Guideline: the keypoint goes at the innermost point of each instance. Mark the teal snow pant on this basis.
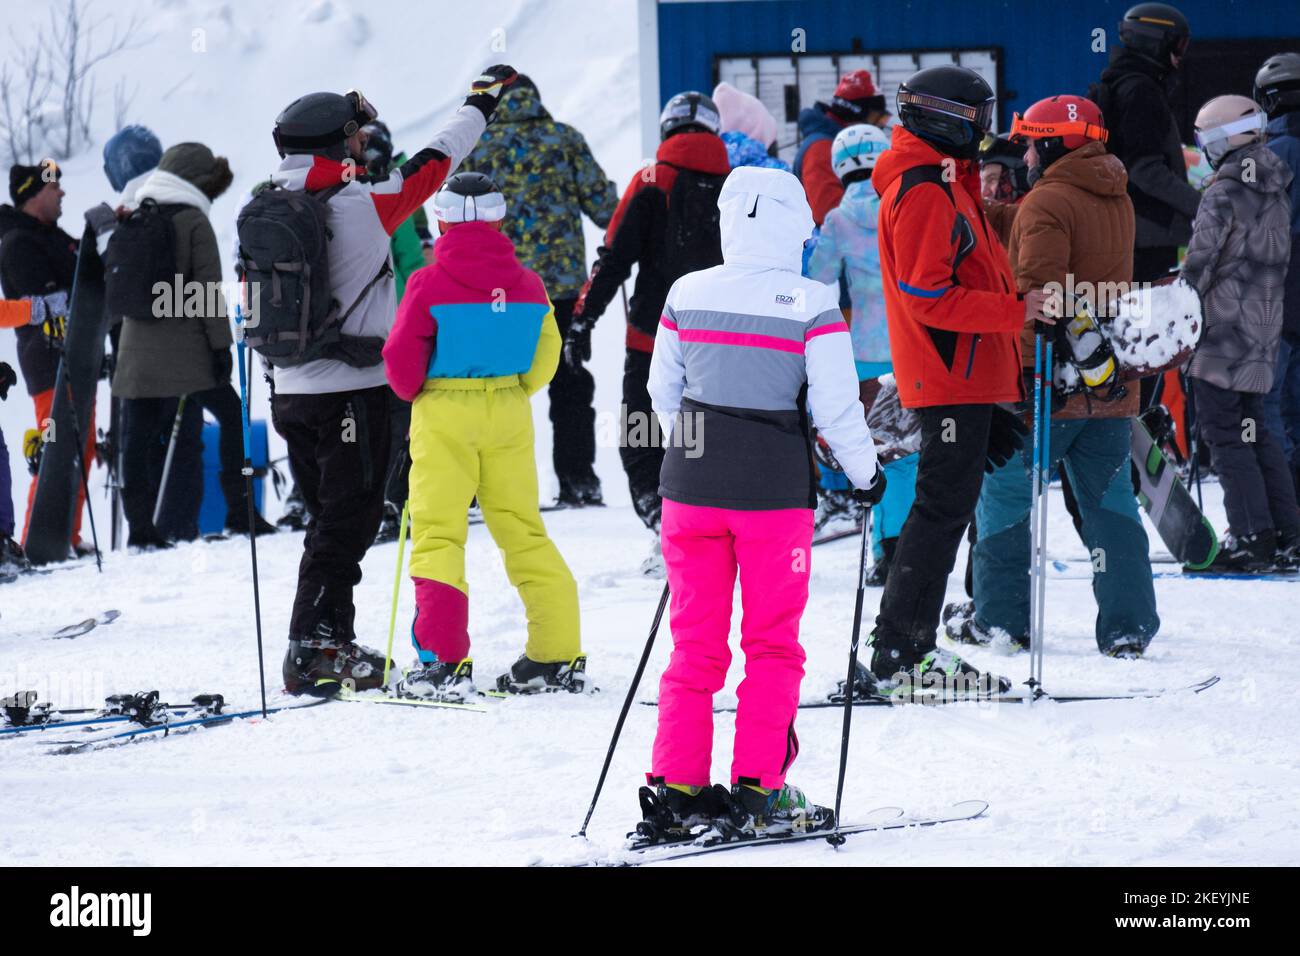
(1095, 455)
(900, 491)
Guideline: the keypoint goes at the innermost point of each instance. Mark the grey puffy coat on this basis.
(1237, 260)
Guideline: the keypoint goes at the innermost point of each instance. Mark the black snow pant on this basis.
(147, 431)
(397, 476)
(338, 449)
(573, 419)
(223, 403)
(949, 475)
(642, 455)
(1258, 493)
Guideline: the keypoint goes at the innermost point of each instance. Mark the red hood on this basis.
(906, 151)
(477, 255)
(702, 152)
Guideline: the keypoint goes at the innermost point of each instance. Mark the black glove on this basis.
(102, 218)
(1006, 437)
(222, 365)
(870, 496)
(485, 92)
(7, 379)
(577, 344)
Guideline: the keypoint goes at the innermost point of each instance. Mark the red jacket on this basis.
(823, 187)
(953, 332)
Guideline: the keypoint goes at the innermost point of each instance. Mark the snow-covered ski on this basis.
(86, 626)
(174, 724)
(23, 714)
(1068, 572)
(887, 818)
(1011, 698)
(393, 700)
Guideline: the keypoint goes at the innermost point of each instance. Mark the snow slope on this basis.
(1208, 779)
(414, 61)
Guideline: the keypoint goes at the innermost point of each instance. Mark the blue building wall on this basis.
(1046, 44)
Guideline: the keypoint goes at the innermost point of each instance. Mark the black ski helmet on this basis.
(1154, 31)
(1003, 152)
(950, 107)
(1277, 84)
(689, 111)
(320, 123)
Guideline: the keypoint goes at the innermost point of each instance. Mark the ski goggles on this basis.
(1214, 141)
(362, 112)
(980, 115)
(1022, 129)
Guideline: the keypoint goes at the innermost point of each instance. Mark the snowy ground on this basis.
(1204, 780)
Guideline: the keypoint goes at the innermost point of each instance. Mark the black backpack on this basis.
(141, 253)
(293, 316)
(693, 240)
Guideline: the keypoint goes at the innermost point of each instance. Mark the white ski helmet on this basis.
(469, 197)
(856, 149)
(1226, 123)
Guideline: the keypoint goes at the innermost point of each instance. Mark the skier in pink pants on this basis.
(746, 353)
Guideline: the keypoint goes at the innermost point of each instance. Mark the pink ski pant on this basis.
(703, 550)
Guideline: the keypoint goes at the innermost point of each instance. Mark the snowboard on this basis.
(49, 534)
(1186, 532)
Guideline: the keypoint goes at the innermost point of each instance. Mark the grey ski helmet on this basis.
(320, 123)
(469, 197)
(688, 111)
(1277, 84)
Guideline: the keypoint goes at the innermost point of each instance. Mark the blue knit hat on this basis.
(130, 152)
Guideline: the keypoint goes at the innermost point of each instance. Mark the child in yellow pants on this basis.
(474, 338)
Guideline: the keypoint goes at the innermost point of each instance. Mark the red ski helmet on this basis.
(1074, 120)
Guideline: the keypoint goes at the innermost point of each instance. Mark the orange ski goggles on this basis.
(1023, 129)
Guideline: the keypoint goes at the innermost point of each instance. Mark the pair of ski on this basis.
(148, 715)
(711, 840)
(936, 698)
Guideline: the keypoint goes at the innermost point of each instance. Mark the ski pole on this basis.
(245, 387)
(1046, 464)
(1034, 505)
(627, 705)
(836, 839)
(397, 586)
(167, 462)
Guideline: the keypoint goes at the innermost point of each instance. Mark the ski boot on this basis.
(1247, 555)
(440, 680)
(529, 677)
(12, 557)
(295, 515)
(759, 812)
(321, 666)
(1125, 648)
(675, 813)
(962, 626)
(1287, 556)
(584, 493)
(901, 677)
(653, 565)
(147, 539)
(390, 526)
